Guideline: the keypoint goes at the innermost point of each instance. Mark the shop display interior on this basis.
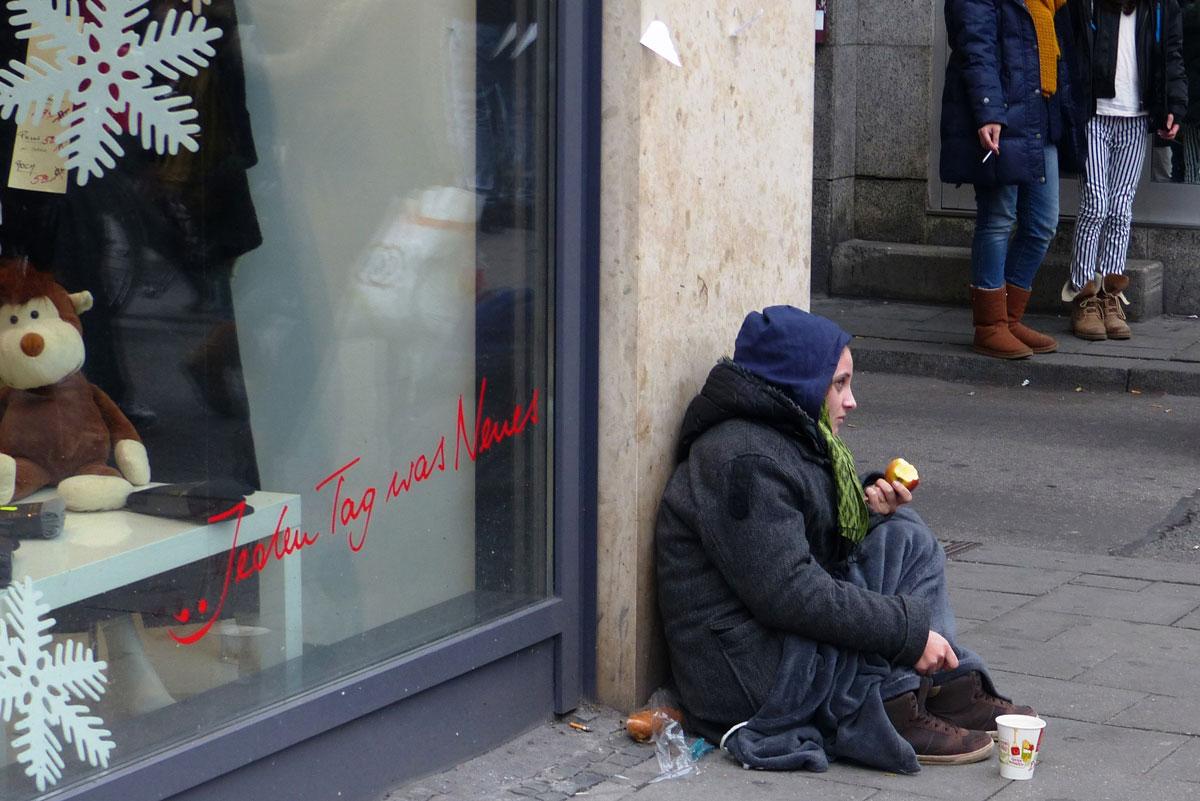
(257, 333)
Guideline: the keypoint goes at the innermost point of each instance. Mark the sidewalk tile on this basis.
(1159, 603)
(1111, 582)
(1077, 784)
(1149, 672)
(984, 604)
(1189, 354)
(1163, 713)
(1067, 699)
(720, 778)
(610, 792)
(1147, 569)
(867, 309)
(1047, 659)
(974, 782)
(1031, 624)
(1101, 752)
(1004, 578)
(1129, 637)
(1182, 765)
(1189, 621)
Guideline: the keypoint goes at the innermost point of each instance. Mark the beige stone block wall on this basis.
(705, 214)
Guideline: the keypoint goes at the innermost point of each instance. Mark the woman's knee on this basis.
(905, 524)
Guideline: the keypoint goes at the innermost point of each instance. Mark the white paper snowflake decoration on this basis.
(39, 686)
(106, 71)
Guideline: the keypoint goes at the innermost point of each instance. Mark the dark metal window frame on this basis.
(567, 619)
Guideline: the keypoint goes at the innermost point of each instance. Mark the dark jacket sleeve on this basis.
(973, 28)
(1176, 71)
(754, 531)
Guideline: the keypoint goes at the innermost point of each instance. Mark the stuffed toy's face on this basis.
(37, 346)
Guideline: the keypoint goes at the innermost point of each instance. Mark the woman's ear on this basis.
(82, 301)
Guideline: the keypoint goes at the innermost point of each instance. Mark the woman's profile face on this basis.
(839, 399)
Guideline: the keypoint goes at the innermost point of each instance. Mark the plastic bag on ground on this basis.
(675, 757)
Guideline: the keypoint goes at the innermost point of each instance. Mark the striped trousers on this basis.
(1116, 148)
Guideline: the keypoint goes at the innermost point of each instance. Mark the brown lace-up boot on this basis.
(1087, 313)
(936, 741)
(1114, 315)
(1036, 341)
(992, 337)
(965, 702)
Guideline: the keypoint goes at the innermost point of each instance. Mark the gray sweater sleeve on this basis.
(754, 531)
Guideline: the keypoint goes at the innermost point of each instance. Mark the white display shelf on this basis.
(102, 551)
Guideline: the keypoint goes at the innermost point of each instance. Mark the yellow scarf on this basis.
(1042, 12)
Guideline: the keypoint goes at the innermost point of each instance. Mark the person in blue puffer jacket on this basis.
(1007, 121)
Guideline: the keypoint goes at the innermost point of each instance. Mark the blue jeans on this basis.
(1033, 210)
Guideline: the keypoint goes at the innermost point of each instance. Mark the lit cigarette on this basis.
(988, 156)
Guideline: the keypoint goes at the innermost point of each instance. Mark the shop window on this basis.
(318, 243)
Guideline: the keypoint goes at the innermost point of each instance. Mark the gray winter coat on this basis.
(748, 550)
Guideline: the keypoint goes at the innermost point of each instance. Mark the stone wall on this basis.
(705, 215)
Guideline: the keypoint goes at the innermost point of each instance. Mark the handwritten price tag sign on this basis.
(37, 164)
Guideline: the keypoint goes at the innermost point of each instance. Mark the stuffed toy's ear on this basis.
(82, 301)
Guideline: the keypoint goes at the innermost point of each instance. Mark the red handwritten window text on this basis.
(351, 509)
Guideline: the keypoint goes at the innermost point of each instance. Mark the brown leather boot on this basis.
(992, 337)
(1114, 315)
(965, 702)
(1087, 313)
(936, 741)
(1017, 299)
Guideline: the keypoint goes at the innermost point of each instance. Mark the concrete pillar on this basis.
(706, 214)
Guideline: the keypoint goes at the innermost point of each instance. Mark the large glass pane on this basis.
(326, 292)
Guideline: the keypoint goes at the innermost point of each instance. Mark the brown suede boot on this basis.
(965, 702)
(1087, 313)
(1114, 315)
(1036, 341)
(992, 337)
(935, 741)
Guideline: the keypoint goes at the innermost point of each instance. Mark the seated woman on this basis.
(807, 617)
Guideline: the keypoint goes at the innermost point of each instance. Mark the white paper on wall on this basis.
(658, 38)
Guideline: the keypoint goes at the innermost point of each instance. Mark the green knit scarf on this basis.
(852, 507)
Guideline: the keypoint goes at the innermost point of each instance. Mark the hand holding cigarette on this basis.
(989, 138)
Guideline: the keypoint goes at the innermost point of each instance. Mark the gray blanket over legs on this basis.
(827, 703)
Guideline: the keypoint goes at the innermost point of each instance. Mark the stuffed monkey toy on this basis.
(57, 428)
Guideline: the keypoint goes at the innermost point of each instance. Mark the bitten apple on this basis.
(900, 470)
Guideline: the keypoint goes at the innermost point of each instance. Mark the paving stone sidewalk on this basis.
(935, 341)
(1107, 649)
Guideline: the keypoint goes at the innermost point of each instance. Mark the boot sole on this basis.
(1051, 349)
(1120, 336)
(977, 755)
(1000, 354)
(1091, 337)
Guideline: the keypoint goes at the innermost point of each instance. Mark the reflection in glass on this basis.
(1179, 161)
(1189, 137)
